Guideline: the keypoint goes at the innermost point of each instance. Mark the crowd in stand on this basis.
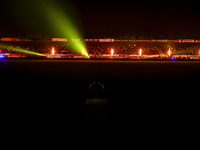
(105, 48)
(188, 49)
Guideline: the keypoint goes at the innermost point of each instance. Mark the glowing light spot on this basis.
(140, 52)
(112, 52)
(53, 52)
(169, 52)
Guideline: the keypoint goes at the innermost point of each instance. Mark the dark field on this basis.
(57, 89)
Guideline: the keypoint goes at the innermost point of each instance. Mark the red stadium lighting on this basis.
(176, 41)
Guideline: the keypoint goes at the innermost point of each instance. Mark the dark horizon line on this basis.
(118, 37)
(50, 38)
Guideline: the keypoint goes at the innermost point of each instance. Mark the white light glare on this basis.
(112, 52)
(53, 52)
(169, 52)
(140, 52)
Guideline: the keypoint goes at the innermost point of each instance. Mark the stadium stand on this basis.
(99, 47)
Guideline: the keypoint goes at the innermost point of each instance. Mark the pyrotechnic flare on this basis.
(53, 52)
(112, 52)
(140, 52)
(169, 52)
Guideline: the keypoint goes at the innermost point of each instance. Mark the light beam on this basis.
(20, 50)
(61, 22)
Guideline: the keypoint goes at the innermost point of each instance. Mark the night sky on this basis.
(105, 18)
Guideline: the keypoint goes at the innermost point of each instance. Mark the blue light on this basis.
(172, 58)
(1, 56)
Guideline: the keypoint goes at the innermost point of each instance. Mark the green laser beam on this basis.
(20, 50)
(26, 51)
(52, 16)
(63, 24)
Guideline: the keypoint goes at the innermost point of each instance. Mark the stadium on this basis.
(64, 61)
(119, 80)
(101, 48)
